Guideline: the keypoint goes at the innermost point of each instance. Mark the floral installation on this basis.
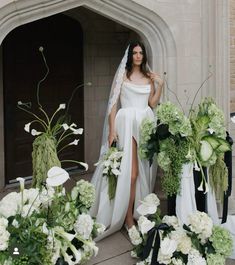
(167, 241)
(175, 139)
(53, 136)
(49, 225)
(111, 162)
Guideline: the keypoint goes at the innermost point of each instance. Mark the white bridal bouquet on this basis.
(48, 226)
(165, 241)
(111, 163)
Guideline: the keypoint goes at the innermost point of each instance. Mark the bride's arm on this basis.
(112, 133)
(155, 95)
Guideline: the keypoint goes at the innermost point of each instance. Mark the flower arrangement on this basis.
(111, 162)
(166, 241)
(175, 139)
(48, 225)
(53, 136)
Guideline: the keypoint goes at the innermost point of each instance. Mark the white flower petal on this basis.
(35, 133)
(61, 106)
(75, 142)
(85, 165)
(77, 131)
(116, 172)
(65, 126)
(27, 127)
(56, 176)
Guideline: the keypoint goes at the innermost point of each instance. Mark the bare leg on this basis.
(134, 173)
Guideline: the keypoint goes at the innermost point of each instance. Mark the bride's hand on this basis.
(112, 137)
(156, 77)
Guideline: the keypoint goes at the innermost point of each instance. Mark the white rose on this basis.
(145, 225)
(84, 225)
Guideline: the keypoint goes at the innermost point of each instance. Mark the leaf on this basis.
(206, 151)
(212, 140)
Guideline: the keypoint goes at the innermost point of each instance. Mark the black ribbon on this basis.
(153, 234)
(228, 162)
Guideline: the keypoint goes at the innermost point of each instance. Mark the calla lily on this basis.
(60, 232)
(148, 205)
(200, 188)
(73, 125)
(56, 176)
(75, 142)
(232, 118)
(27, 127)
(65, 126)
(145, 225)
(196, 167)
(85, 165)
(61, 106)
(21, 180)
(77, 131)
(116, 172)
(35, 133)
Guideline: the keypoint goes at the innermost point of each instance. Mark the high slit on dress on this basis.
(134, 108)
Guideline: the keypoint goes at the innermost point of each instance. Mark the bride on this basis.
(135, 86)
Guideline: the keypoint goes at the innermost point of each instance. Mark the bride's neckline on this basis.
(130, 83)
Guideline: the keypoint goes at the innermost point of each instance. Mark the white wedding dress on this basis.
(134, 108)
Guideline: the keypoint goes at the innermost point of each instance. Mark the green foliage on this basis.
(44, 157)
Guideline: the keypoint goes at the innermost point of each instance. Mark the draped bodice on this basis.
(134, 96)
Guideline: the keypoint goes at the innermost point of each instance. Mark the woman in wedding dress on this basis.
(138, 90)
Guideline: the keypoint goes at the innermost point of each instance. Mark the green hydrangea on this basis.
(221, 241)
(84, 192)
(215, 259)
(147, 130)
(169, 114)
(163, 160)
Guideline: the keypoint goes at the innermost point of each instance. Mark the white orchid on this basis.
(149, 205)
(56, 176)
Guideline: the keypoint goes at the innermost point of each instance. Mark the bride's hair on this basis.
(129, 63)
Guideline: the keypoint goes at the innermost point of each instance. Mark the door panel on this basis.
(23, 67)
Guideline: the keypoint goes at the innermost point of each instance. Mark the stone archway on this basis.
(153, 30)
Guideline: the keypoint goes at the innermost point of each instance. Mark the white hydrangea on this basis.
(168, 247)
(10, 204)
(201, 224)
(84, 225)
(133, 254)
(31, 196)
(46, 195)
(175, 261)
(4, 234)
(171, 221)
(194, 258)
(134, 236)
(100, 228)
(184, 243)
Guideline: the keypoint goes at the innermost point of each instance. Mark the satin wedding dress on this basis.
(134, 108)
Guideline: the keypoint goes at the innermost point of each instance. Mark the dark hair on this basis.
(129, 63)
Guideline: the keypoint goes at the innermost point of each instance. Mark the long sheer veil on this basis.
(113, 99)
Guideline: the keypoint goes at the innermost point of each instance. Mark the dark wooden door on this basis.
(23, 67)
